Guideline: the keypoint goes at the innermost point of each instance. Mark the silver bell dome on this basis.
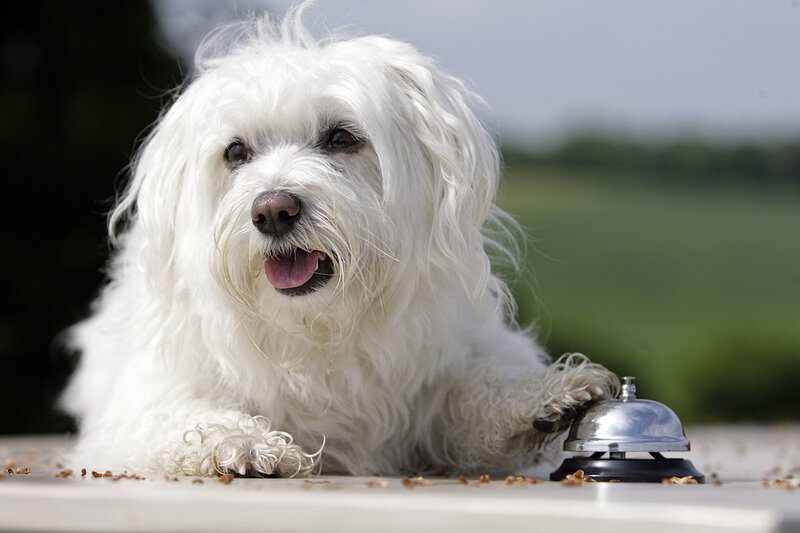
(627, 425)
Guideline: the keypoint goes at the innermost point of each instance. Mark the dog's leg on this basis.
(187, 436)
(498, 414)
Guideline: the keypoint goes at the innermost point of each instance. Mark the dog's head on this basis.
(300, 175)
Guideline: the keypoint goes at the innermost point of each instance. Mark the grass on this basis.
(678, 286)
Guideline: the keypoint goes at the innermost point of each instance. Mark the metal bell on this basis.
(626, 425)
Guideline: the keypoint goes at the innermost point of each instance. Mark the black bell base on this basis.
(628, 470)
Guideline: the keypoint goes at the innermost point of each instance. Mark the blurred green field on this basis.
(694, 291)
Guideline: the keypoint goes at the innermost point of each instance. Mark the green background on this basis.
(692, 287)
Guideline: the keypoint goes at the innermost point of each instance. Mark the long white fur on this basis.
(191, 361)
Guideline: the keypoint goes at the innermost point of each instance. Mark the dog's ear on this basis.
(146, 214)
(465, 166)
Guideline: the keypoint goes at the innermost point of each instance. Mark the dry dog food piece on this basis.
(521, 480)
(416, 482)
(309, 484)
(576, 478)
(485, 478)
(378, 483)
(127, 476)
(197, 481)
(225, 478)
(83, 472)
(463, 480)
(675, 480)
(788, 484)
(64, 474)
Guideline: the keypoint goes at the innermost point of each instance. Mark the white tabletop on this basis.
(746, 461)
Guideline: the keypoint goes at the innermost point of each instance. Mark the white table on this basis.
(739, 456)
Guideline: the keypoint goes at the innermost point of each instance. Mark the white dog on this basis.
(302, 282)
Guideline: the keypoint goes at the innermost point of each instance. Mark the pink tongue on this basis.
(292, 270)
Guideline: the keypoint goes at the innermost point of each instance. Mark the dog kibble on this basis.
(675, 480)
(417, 481)
(788, 483)
(576, 478)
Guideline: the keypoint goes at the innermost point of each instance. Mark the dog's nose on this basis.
(275, 213)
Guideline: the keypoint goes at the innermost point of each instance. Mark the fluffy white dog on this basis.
(302, 282)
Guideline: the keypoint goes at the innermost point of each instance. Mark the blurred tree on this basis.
(687, 156)
(784, 160)
(588, 151)
(687, 160)
(79, 82)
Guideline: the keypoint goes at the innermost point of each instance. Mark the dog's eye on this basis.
(339, 139)
(237, 152)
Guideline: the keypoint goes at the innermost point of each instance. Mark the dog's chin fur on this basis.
(403, 360)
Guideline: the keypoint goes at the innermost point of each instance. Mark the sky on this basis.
(726, 70)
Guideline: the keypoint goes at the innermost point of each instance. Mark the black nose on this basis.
(274, 213)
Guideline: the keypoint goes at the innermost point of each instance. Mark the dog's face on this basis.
(303, 199)
(301, 177)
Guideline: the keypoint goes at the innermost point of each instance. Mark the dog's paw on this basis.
(250, 448)
(559, 415)
(574, 384)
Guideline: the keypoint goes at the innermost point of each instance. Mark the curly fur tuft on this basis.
(249, 447)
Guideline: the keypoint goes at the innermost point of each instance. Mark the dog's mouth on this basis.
(299, 272)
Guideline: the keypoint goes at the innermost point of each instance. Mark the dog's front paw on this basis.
(559, 415)
(574, 384)
(248, 448)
